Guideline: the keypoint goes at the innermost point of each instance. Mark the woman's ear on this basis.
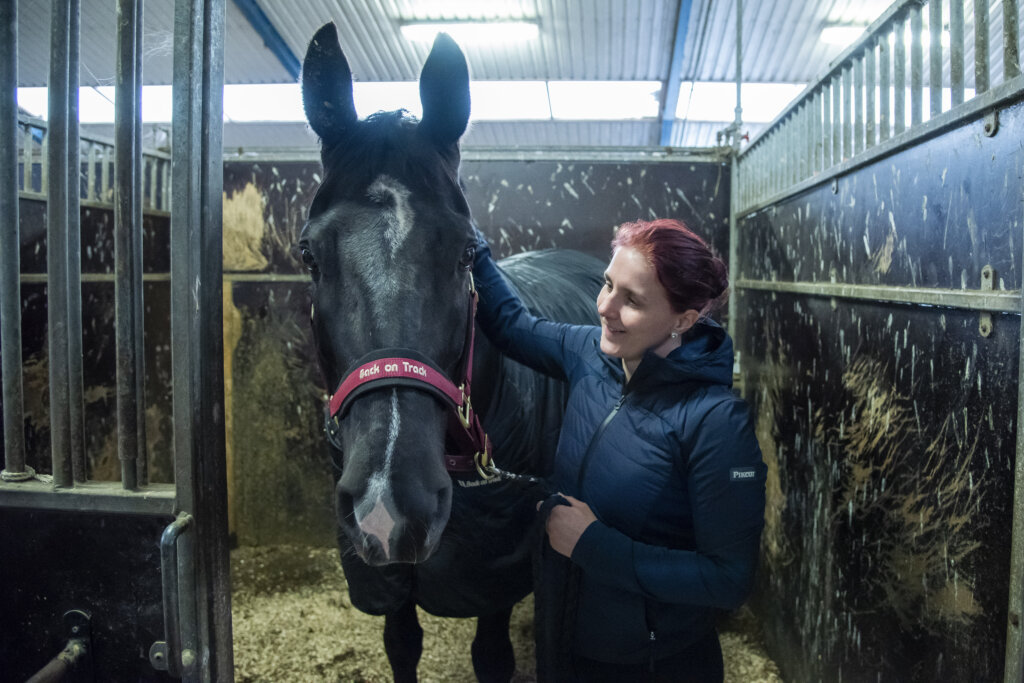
(685, 321)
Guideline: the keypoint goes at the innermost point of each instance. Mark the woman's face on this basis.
(635, 311)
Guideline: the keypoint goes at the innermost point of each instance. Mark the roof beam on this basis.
(675, 73)
(271, 38)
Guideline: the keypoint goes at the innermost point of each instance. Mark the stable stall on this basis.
(162, 400)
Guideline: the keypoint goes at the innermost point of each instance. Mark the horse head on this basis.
(389, 246)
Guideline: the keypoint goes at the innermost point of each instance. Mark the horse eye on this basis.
(466, 262)
(308, 260)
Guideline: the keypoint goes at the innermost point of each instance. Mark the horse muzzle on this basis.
(383, 533)
(394, 495)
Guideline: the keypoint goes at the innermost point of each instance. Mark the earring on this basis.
(675, 334)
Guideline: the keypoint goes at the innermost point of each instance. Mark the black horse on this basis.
(389, 244)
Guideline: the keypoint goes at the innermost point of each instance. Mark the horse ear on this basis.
(444, 91)
(327, 86)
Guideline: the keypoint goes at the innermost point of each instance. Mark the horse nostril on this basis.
(346, 505)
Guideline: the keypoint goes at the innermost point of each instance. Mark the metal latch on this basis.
(168, 654)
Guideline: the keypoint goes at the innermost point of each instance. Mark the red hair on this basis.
(693, 277)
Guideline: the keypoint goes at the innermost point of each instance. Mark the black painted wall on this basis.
(105, 565)
(889, 429)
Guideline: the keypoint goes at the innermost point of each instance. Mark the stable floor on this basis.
(293, 621)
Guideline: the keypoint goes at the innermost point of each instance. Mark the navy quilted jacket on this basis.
(669, 464)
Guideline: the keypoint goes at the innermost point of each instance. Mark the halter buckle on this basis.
(484, 464)
(465, 411)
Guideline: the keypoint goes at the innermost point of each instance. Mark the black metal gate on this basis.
(131, 575)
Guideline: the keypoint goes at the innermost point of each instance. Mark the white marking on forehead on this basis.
(378, 249)
(400, 216)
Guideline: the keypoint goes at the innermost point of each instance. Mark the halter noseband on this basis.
(405, 367)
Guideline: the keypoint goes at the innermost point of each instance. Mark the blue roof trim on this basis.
(271, 38)
(675, 74)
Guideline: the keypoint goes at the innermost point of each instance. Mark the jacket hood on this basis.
(704, 356)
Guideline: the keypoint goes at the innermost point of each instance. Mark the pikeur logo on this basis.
(402, 366)
(740, 473)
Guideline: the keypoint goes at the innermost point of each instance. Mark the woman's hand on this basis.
(566, 523)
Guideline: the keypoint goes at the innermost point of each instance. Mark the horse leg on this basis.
(403, 642)
(493, 658)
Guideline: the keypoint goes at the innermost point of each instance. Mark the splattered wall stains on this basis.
(891, 426)
(282, 474)
(916, 507)
(540, 204)
(244, 230)
(888, 492)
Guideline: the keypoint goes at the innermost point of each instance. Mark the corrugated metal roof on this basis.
(246, 59)
(780, 39)
(579, 40)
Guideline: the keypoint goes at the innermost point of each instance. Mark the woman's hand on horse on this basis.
(566, 523)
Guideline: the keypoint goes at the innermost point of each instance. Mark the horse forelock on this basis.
(386, 143)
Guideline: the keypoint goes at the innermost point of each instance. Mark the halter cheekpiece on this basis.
(467, 448)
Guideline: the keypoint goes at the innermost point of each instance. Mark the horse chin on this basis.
(373, 553)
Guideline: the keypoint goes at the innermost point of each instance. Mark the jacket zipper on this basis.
(651, 641)
(593, 440)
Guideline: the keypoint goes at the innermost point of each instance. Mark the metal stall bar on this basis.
(858, 107)
(127, 239)
(956, 52)
(26, 150)
(57, 245)
(934, 58)
(76, 373)
(1011, 54)
(141, 461)
(916, 67)
(848, 113)
(870, 116)
(196, 324)
(994, 301)
(884, 83)
(1000, 95)
(734, 187)
(900, 24)
(981, 83)
(10, 260)
(899, 78)
(837, 149)
(90, 173)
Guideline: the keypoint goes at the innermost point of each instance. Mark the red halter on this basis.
(405, 367)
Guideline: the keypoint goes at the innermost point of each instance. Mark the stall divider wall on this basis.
(878, 236)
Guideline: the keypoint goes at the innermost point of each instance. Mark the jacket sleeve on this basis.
(541, 344)
(726, 482)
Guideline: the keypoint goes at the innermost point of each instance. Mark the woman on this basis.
(661, 474)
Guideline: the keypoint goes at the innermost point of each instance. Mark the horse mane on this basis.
(369, 136)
